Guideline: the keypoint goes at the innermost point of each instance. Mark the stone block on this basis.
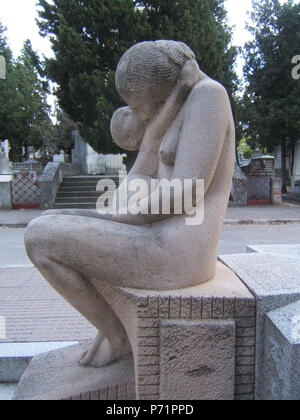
(276, 191)
(15, 357)
(292, 251)
(273, 278)
(215, 304)
(197, 360)
(282, 354)
(5, 195)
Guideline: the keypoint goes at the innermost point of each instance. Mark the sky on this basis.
(19, 18)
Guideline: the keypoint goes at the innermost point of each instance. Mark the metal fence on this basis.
(25, 190)
(28, 166)
(259, 189)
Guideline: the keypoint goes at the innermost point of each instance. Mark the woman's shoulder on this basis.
(210, 87)
(209, 93)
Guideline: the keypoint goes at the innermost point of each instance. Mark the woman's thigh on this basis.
(126, 255)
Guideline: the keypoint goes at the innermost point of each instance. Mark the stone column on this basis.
(5, 192)
(239, 187)
(296, 170)
(276, 191)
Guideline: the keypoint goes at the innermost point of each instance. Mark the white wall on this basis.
(296, 169)
(93, 162)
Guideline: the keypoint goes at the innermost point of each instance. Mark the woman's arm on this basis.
(206, 123)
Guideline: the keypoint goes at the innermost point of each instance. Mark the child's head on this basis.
(127, 129)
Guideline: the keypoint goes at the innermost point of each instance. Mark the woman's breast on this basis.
(168, 148)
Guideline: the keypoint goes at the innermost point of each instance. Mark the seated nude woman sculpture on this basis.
(181, 122)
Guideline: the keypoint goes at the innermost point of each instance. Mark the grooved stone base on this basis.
(148, 317)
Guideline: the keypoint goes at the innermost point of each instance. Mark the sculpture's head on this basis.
(148, 72)
(127, 129)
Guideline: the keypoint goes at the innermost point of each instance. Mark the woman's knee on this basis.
(36, 238)
(50, 213)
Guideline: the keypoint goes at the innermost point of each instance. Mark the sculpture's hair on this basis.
(152, 66)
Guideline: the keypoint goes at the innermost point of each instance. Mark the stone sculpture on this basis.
(181, 122)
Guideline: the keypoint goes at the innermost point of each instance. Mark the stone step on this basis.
(79, 188)
(70, 194)
(80, 192)
(65, 200)
(76, 188)
(90, 178)
(79, 184)
(90, 185)
(15, 357)
(7, 391)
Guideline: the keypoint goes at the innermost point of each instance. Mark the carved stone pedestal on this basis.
(191, 344)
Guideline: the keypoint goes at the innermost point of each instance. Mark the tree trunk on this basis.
(283, 166)
(15, 153)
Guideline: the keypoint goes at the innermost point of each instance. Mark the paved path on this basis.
(18, 218)
(12, 251)
(256, 214)
(234, 239)
(34, 312)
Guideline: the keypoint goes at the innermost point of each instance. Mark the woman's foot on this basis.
(89, 355)
(102, 354)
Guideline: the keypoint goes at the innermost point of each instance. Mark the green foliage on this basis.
(245, 148)
(23, 104)
(200, 24)
(89, 37)
(272, 98)
(58, 136)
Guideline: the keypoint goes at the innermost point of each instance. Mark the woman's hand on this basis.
(189, 77)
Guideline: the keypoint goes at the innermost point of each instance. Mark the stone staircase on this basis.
(79, 192)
